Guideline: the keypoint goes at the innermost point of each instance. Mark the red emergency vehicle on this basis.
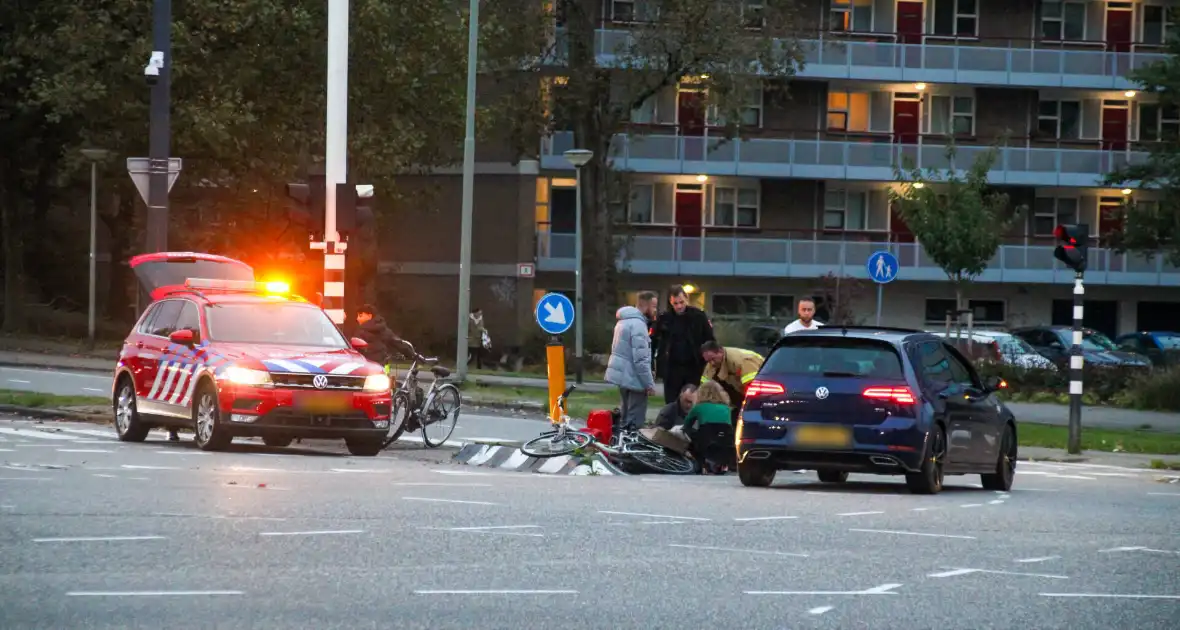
(228, 356)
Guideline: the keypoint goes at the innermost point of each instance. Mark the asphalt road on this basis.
(100, 534)
(80, 383)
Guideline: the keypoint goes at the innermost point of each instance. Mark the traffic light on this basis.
(1072, 243)
(309, 198)
(354, 207)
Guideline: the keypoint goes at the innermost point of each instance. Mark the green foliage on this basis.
(1136, 388)
(959, 220)
(1154, 228)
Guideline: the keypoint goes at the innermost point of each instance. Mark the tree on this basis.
(1151, 228)
(724, 47)
(840, 297)
(958, 220)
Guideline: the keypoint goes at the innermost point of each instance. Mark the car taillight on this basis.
(899, 395)
(764, 388)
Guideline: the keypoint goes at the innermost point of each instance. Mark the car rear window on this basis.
(835, 356)
(174, 271)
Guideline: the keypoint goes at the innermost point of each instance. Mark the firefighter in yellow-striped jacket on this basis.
(733, 368)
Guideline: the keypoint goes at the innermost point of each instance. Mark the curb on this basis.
(512, 458)
(40, 412)
(56, 366)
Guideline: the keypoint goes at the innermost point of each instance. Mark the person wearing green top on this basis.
(709, 427)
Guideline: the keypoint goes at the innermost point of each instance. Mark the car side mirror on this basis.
(994, 384)
(183, 337)
(358, 343)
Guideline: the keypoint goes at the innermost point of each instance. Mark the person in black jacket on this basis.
(373, 330)
(679, 334)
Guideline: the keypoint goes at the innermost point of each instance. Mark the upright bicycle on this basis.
(435, 411)
(625, 447)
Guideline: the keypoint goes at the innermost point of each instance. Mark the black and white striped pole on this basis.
(1072, 252)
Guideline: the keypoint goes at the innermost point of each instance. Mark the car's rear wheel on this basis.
(928, 480)
(211, 433)
(755, 474)
(1005, 474)
(364, 447)
(128, 426)
(833, 476)
(277, 441)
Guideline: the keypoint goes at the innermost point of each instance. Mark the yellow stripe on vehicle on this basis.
(746, 378)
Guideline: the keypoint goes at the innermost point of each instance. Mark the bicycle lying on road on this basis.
(625, 447)
(435, 411)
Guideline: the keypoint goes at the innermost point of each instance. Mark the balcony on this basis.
(863, 159)
(806, 255)
(1000, 62)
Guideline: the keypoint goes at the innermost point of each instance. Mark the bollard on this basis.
(555, 358)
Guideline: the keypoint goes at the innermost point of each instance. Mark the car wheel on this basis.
(211, 434)
(833, 476)
(364, 447)
(755, 475)
(128, 426)
(1005, 474)
(928, 480)
(277, 441)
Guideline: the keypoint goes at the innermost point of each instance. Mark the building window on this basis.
(1063, 21)
(1049, 212)
(956, 18)
(952, 115)
(1060, 119)
(848, 111)
(751, 112)
(1159, 23)
(734, 207)
(1158, 122)
(846, 210)
(986, 312)
(751, 306)
(633, 11)
(641, 205)
(752, 13)
(852, 16)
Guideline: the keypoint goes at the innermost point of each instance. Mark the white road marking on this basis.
(472, 529)
(1164, 494)
(681, 518)
(1114, 549)
(430, 500)
(360, 470)
(1040, 559)
(105, 476)
(94, 389)
(971, 505)
(764, 518)
(326, 532)
(922, 509)
(858, 513)
(498, 592)
(901, 533)
(40, 435)
(463, 472)
(996, 502)
(13, 380)
(24, 478)
(754, 551)
(137, 467)
(97, 539)
(181, 452)
(442, 485)
(7, 450)
(108, 434)
(148, 593)
(1109, 595)
(956, 572)
(82, 450)
(819, 611)
(884, 589)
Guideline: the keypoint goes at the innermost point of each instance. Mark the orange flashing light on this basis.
(278, 287)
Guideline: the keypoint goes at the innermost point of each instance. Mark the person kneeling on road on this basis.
(709, 430)
(673, 413)
(733, 369)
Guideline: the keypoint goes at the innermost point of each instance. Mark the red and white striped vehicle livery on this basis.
(228, 356)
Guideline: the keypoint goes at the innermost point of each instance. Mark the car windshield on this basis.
(280, 323)
(1168, 342)
(835, 356)
(1093, 340)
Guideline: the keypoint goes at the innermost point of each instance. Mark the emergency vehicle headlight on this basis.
(378, 383)
(246, 376)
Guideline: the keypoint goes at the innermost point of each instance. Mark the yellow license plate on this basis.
(323, 404)
(823, 437)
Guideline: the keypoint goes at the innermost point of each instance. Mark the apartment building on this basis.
(754, 223)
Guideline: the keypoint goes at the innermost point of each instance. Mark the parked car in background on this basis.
(761, 338)
(1161, 347)
(999, 346)
(1053, 342)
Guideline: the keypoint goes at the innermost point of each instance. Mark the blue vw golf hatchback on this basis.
(874, 400)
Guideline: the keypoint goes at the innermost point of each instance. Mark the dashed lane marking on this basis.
(903, 533)
(884, 589)
(664, 516)
(820, 610)
(732, 550)
(433, 500)
(958, 572)
(1040, 559)
(97, 539)
(859, 513)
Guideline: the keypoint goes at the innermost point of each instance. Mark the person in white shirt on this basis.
(806, 319)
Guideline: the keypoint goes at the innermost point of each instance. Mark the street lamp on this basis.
(579, 158)
(468, 191)
(95, 156)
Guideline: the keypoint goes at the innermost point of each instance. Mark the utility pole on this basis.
(468, 192)
(159, 127)
(336, 158)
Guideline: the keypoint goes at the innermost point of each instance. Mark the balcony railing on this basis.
(1015, 62)
(811, 258)
(866, 160)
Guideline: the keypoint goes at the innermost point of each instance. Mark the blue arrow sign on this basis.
(882, 267)
(555, 313)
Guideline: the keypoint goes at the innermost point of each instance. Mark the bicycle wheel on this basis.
(398, 413)
(441, 415)
(554, 443)
(665, 461)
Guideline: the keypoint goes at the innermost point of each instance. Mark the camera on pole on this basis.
(1072, 244)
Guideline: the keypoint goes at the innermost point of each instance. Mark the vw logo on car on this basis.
(822, 393)
(320, 381)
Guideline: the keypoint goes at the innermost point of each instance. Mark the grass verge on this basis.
(48, 401)
(1107, 440)
(580, 403)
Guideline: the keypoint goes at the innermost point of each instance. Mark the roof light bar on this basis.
(274, 287)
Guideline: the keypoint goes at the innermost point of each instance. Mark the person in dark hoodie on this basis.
(372, 329)
(679, 334)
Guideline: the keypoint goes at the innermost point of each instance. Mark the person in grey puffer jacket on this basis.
(629, 367)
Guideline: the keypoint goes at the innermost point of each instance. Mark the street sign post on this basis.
(883, 269)
(555, 313)
(140, 171)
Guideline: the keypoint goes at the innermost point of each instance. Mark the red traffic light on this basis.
(1062, 233)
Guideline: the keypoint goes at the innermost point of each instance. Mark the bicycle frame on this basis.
(622, 443)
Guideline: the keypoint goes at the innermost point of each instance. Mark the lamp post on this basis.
(95, 156)
(468, 191)
(579, 158)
